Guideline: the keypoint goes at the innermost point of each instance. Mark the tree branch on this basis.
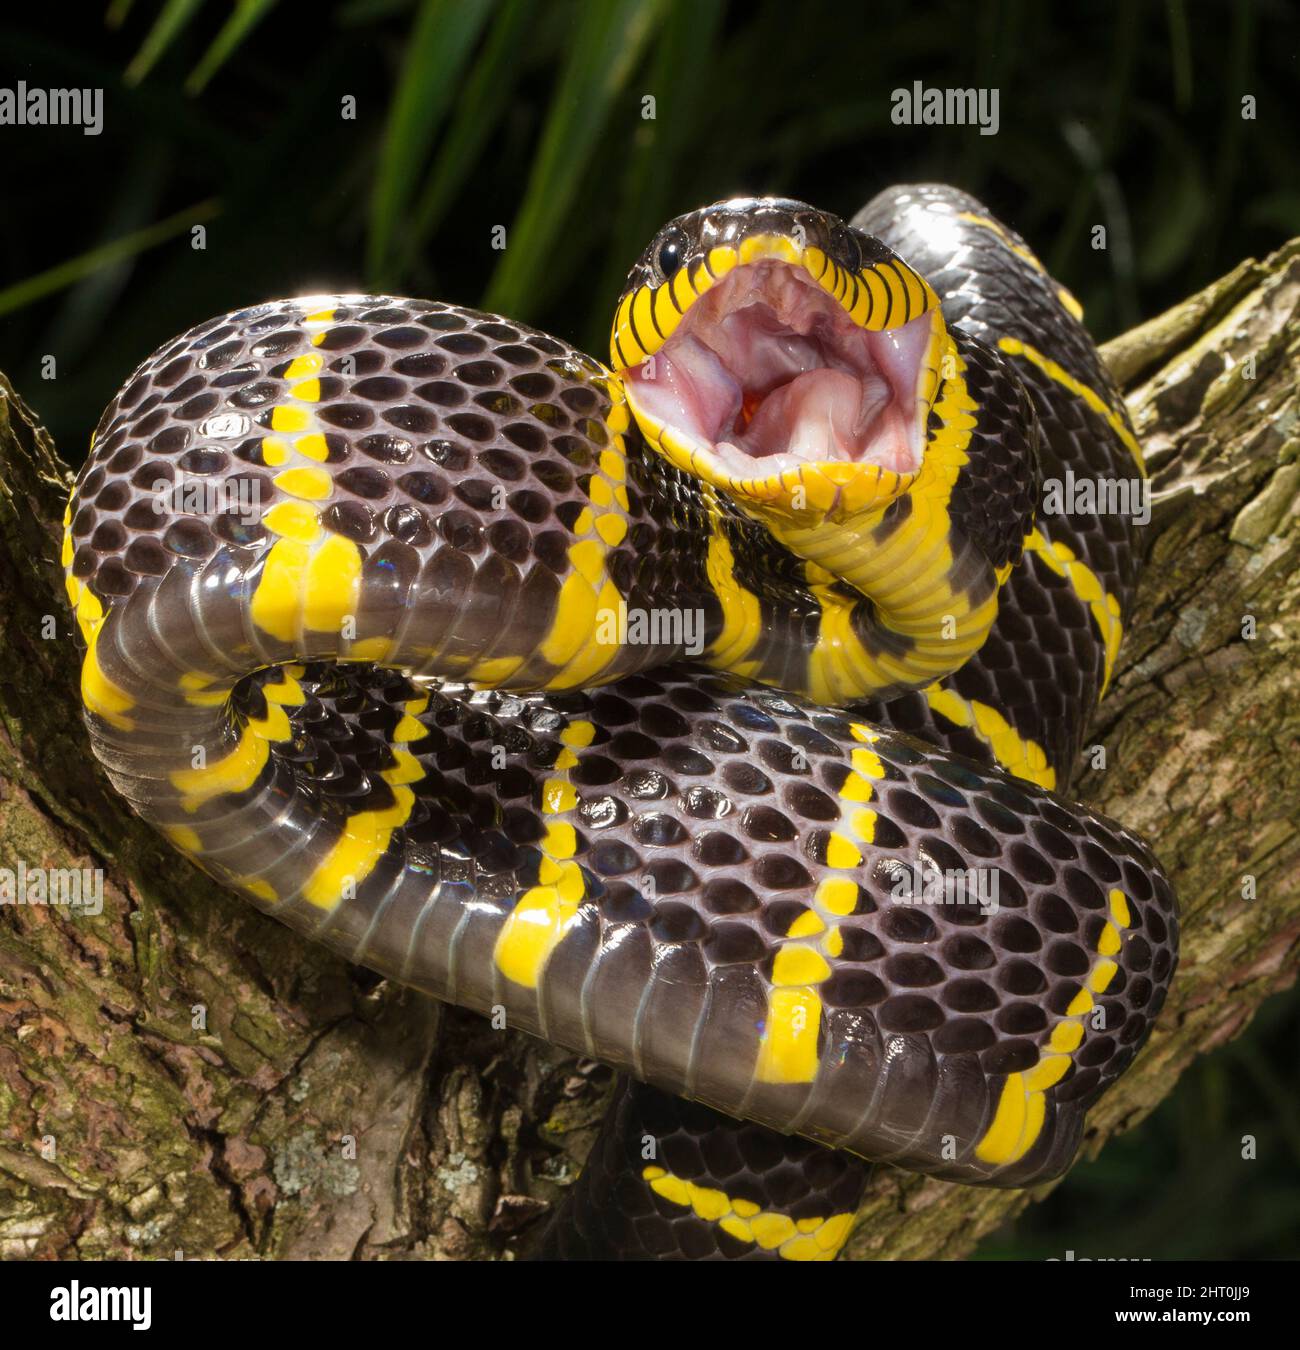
(179, 1072)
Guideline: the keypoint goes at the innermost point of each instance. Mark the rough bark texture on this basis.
(181, 1073)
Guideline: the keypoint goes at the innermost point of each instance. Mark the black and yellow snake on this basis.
(386, 605)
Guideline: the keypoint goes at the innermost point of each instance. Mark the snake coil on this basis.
(387, 607)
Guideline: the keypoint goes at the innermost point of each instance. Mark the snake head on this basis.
(802, 369)
(782, 356)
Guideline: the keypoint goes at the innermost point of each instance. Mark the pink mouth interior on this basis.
(768, 367)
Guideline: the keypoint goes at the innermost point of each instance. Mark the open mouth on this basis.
(766, 372)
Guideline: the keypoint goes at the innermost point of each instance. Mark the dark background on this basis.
(528, 114)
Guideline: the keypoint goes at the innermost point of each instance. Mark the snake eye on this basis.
(670, 254)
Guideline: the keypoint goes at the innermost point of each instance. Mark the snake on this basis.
(710, 713)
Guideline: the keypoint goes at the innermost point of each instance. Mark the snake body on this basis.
(387, 605)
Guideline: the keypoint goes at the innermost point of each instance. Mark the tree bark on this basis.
(180, 1073)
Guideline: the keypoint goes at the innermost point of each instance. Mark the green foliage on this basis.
(441, 37)
(579, 126)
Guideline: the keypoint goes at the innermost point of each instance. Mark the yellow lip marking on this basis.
(832, 486)
(666, 314)
(905, 570)
(899, 300)
(687, 284)
(875, 298)
(872, 298)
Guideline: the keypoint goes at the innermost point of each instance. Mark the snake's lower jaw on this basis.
(805, 492)
(830, 494)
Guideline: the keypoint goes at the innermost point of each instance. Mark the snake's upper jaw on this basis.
(767, 377)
